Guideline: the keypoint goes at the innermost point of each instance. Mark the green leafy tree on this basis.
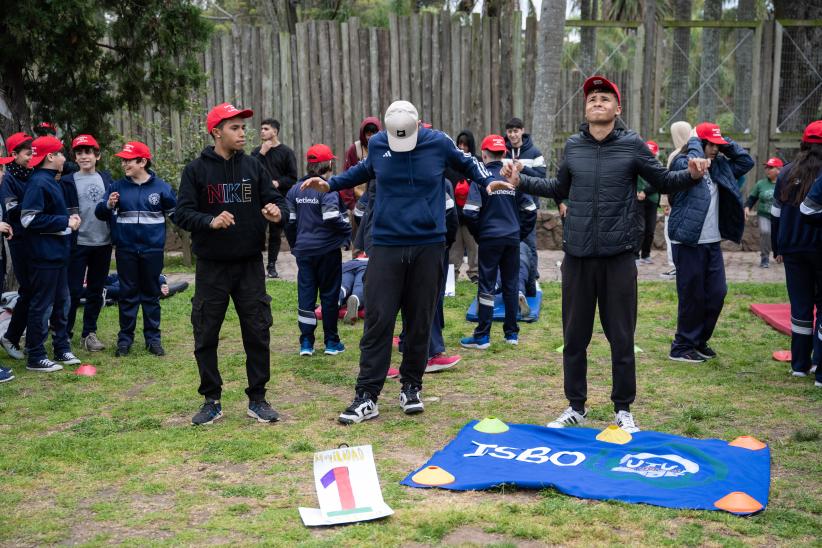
(74, 62)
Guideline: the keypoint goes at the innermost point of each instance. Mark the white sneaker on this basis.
(817, 384)
(812, 369)
(798, 373)
(353, 308)
(569, 417)
(363, 408)
(524, 308)
(13, 350)
(625, 420)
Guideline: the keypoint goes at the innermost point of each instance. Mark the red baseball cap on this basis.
(601, 82)
(711, 133)
(14, 141)
(494, 143)
(319, 153)
(42, 147)
(224, 111)
(85, 140)
(653, 147)
(813, 132)
(774, 162)
(134, 149)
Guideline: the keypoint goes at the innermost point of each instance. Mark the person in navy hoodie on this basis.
(48, 226)
(701, 217)
(15, 179)
(91, 245)
(6, 374)
(136, 207)
(497, 226)
(317, 228)
(406, 260)
(797, 241)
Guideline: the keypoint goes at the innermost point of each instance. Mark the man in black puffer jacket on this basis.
(598, 174)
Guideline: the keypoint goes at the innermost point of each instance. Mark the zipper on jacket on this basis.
(596, 203)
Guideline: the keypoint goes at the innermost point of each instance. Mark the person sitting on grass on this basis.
(317, 228)
(352, 287)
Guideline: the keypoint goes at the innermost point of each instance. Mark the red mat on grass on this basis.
(777, 316)
(343, 309)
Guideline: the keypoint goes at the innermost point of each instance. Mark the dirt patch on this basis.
(474, 536)
(137, 389)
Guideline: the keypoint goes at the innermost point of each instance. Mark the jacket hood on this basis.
(527, 143)
(370, 120)
(619, 129)
(211, 154)
(472, 143)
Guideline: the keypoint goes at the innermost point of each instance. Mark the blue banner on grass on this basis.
(650, 467)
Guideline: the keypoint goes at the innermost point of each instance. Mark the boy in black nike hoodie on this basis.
(225, 200)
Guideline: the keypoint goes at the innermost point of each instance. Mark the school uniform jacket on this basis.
(502, 215)
(44, 215)
(317, 221)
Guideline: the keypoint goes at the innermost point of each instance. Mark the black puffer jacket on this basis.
(599, 179)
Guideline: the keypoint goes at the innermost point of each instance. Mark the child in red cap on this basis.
(762, 193)
(316, 230)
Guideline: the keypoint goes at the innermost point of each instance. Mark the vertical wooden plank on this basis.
(405, 60)
(262, 64)
(491, 98)
(435, 90)
(269, 72)
(325, 111)
(375, 76)
(228, 74)
(506, 74)
(516, 55)
(208, 66)
(236, 54)
(442, 89)
(529, 70)
(635, 92)
(365, 72)
(465, 78)
(283, 93)
(338, 124)
(304, 92)
(384, 97)
(477, 123)
(348, 129)
(394, 35)
(416, 80)
(313, 107)
(296, 100)
(176, 136)
(354, 69)
(425, 69)
(456, 77)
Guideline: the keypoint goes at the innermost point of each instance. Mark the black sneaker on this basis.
(122, 351)
(474, 279)
(156, 348)
(262, 411)
(362, 408)
(706, 352)
(271, 271)
(44, 366)
(208, 413)
(410, 399)
(691, 356)
(67, 358)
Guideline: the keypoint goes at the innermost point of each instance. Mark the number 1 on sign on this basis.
(341, 477)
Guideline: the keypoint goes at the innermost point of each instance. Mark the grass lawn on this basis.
(114, 459)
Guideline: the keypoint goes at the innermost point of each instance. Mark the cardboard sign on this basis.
(347, 488)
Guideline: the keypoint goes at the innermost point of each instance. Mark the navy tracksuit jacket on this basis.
(138, 231)
(316, 230)
(12, 191)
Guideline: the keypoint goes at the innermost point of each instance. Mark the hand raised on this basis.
(317, 183)
(698, 167)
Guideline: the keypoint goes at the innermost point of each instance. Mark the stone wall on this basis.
(549, 233)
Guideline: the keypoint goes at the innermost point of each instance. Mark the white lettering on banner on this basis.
(314, 201)
(533, 455)
(656, 466)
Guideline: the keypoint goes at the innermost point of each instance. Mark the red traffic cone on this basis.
(86, 370)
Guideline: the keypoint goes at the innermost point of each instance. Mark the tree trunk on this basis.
(648, 68)
(546, 87)
(679, 88)
(708, 70)
(13, 92)
(799, 104)
(745, 11)
(588, 38)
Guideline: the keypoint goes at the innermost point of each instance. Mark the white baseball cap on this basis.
(401, 124)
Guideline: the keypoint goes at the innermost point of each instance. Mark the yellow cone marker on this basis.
(491, 425)
(738, 503)
(614, 434)
(433, 475)
(748, 442)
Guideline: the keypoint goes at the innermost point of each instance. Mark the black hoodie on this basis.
(210, 185)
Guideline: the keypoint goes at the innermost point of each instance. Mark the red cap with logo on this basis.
(711, 133)
(14, 140)
(813, 132)
(494, 143)
(225, 111)
(134, 149)
(774, 162)
(601, 83)
(319, 153)
(85, 140)
(653, 147)
(42, 147)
